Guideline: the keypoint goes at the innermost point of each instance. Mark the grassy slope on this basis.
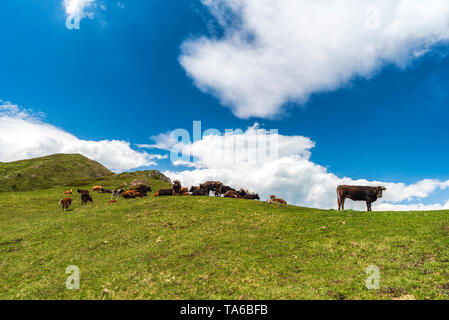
(45, 172)
(209, 248)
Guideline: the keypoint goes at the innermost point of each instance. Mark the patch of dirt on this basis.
(395, 292)
(336, 295)
(405, 297)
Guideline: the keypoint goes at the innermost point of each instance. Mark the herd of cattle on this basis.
(204, 189)
(356, 193)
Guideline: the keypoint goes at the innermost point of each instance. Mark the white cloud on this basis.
(274, 52)
(24, 136)
(292, 175)
(78, 9)
(163, 141)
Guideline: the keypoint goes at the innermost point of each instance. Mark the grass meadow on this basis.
(215, 248)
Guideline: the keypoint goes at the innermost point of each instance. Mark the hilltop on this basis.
(61, 170)
(49, 171)
(215, 248)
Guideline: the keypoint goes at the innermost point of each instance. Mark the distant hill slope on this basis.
(46, 172)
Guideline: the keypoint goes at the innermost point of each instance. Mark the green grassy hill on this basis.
(46, 172)
(214, 248)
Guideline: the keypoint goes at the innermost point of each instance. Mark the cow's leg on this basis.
(342, 203)
(339, 203)
(368, 205)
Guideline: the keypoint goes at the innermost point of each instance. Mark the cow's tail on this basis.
(338, 199)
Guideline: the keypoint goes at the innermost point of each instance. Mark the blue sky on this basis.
(119, 77)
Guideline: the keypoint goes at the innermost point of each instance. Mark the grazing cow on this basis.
(97, 188)
(279, 200)
(82, 191)
(215, 186)
(358, 193)
(165, 192)
(65, 203)
(232, 194)
(68, 191)
(117, 193)
(85, 197)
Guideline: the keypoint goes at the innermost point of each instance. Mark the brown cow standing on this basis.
(65, 203)
(358, 193)
(215, 186)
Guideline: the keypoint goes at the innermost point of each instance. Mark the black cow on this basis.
(85, 197)
(358, 193)
(165, 192)
(143, 189)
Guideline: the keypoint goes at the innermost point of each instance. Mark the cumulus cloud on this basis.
(24, 135)
(77, 10)
(288, 172)
(274, 52)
